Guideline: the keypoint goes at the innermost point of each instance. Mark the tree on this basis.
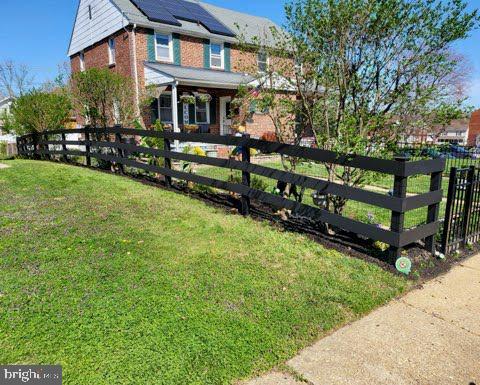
(367, 67)
(38, 111)
(15, 79)
(104, 97)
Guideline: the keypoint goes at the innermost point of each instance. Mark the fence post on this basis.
(467, 207)
(87, 146)
(46, 147)
(447, 224)
(120, 152)
(19, 146)
(397, 223)
(36, 155)
(64, 147)
(245, 200)
(167, 145)
(433, 210)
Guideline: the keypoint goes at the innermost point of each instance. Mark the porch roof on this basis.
(164, 74)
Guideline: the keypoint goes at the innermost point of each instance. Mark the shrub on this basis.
(104, 97)
(38, 111)
(269, 136)
(255, 182)
(3, 150)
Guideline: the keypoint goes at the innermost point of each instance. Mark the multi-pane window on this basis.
(162, 47)
(201, 112)
(262, 61)
(165, 107)
(216, 55)
(82, 61)
(111, 51)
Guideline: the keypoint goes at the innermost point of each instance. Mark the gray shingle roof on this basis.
(239, 23)
(191, 74)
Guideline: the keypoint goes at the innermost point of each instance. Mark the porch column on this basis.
(176, 128)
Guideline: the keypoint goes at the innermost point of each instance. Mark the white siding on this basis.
(106, 20)
(156, 77)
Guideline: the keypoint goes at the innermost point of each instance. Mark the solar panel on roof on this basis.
(155, 12)
(169, 11)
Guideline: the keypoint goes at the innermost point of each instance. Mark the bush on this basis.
(255, 182)
(38, 111)
(104, 97)
(269, 136)
(3, 150)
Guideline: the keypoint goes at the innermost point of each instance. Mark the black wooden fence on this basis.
(462, 215)
(116, 145)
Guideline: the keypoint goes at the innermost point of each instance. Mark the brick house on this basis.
(474, 129)
(180, 54)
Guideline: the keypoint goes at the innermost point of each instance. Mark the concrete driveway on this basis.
(430, 336)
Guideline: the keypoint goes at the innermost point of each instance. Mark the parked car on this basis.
(431, 153)
(459, 152)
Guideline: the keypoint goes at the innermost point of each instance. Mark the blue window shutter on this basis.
(191, 112)
(151, 45)
(226, 50)
(180, 113)
(206, 53)
(213, 111)
(177, 53)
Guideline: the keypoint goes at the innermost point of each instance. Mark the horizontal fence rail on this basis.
(111, 145)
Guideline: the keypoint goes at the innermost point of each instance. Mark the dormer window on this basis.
(82, 61)
(216, 55)
(111, 51)
(163, 47)
(262, 61)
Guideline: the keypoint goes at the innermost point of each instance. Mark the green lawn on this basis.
(124, 283)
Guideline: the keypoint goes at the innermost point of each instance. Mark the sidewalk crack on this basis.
(437, 316)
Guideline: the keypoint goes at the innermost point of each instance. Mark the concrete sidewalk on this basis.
(430, 336)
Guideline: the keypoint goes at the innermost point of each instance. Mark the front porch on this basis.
(193, 99)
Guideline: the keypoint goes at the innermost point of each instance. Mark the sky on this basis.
(43, 28)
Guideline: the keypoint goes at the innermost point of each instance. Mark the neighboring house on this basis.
(455, 133)
(180, 48)
(5, 105)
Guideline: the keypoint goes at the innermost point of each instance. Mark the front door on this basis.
(225, 118)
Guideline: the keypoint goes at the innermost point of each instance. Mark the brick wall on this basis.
(474, 128)
(242, 61)
(191, 51)
(97, 55)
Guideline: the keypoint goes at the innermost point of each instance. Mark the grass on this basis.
(124, 283)
(353, 209)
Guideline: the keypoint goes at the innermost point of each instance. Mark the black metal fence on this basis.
(462, 216)
(455, 155)
(120, 146)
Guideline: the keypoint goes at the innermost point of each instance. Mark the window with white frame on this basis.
(111, 51)
(202, 112)
(163, 47)
(82, 61)
(216, 55)
(165, 108)
(262, 61)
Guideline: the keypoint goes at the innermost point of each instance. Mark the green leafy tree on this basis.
(104, 97)
(38, 111)
(365, 68)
